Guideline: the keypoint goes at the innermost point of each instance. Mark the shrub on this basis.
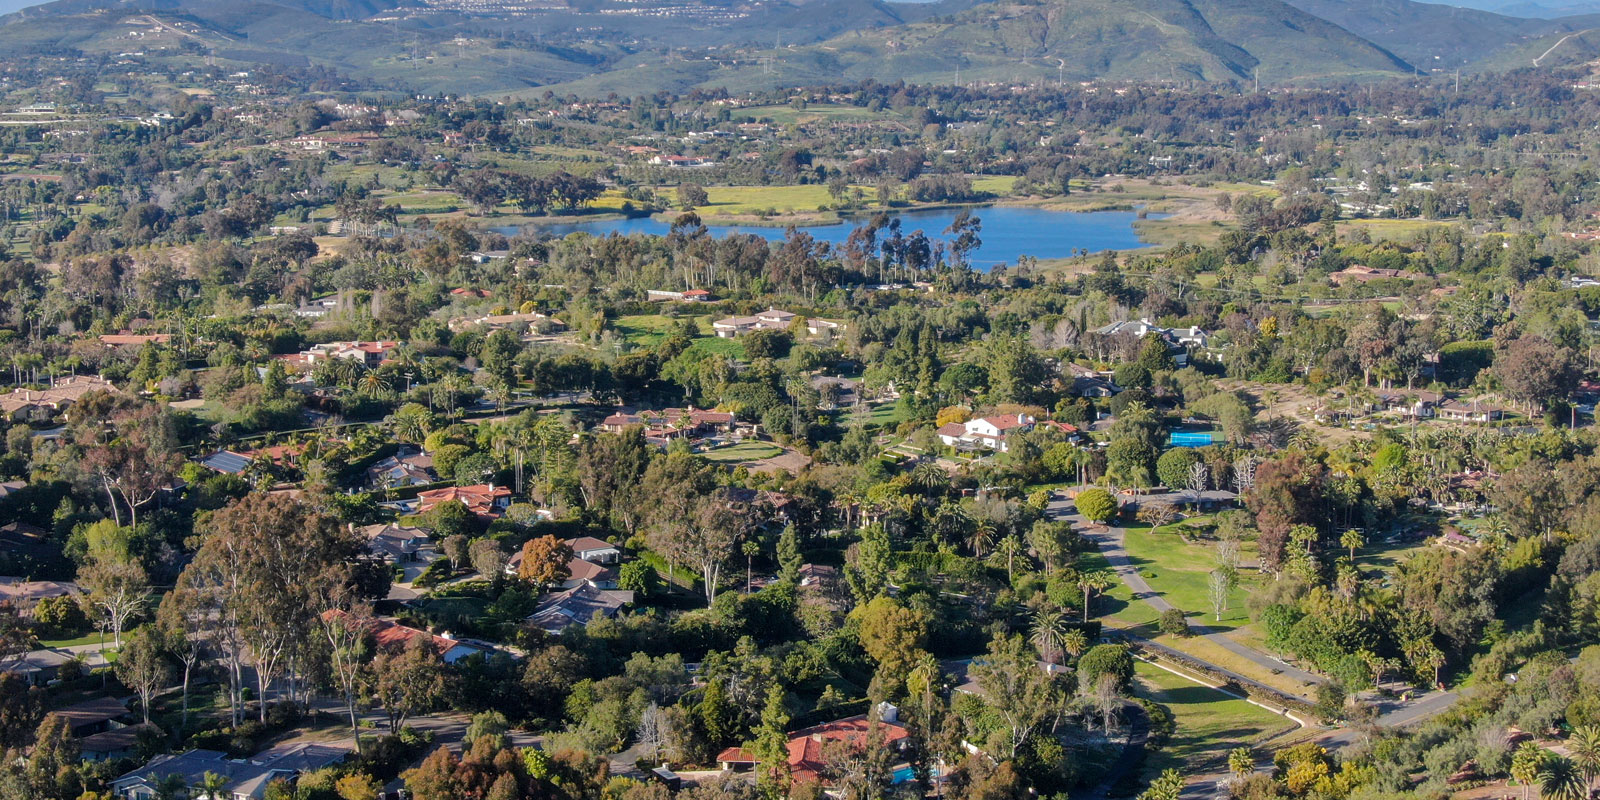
(1173, 623)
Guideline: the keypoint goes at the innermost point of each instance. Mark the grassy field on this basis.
(741, 452)
(1180, 571)
(733, 200)
(1209, 723)
(91, 638)
(788, 115)
(647, 330)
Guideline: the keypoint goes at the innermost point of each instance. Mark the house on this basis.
(579, 573)
(408, 467)
(984, 432)
(398, 544)
(513, 322)
(599, 551)
(660, 427)
(92, 716)
(30, 404)
(689, 296)
(577, 606)
(1470, 411)
(126, 339)
(1412, 405)
(836, 392)
(369, 353)
(1179, 340)
(120, 742)
(391, 636)
(681, 161)
(770, 320)
(38, 667)
(807, 758)
(24, 595)
(247, 778)
(22, 544)
(226, 462)
(485, 500)
(1360, 273)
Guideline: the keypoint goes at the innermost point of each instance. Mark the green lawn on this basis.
(755, 199)
(743, 451)
(1209, 723)
(91, 638)
(1180, 572)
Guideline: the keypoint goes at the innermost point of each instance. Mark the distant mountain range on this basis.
(634, 46)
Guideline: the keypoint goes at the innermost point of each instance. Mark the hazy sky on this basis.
(8, 6)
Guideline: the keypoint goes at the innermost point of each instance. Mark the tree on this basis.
(1584, 747)
(770, 746)
(1219, 587)
(1166, 787)
(1526, 764)
(265, 564)
(891, 633)
(867, 563)
(55, 757)
(1024, 696)
(358, 786)
(1559, 779)
(142, 668)
(544, 561)
(1352, 541)
(1241, 762)
(348, 632)
(1535, 371)
(1096, 505)
(184, 620)
(1091, 581)
(115, 585)
(1075, 641)
(406, 681)
(638, 576)
(140, 460)
(1173, 467)
(651, 732)
(1050, 628)
(455, 549)
(1106, 659)
(790, 556)
(1287, 491)
(488, 559)
(691, 196)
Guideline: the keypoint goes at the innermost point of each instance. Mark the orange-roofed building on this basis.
(485, 500)
(807, 759)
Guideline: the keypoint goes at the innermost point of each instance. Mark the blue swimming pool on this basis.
(1180, 439)
(904, 774)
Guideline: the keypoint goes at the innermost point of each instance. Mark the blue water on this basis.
(1008, 231)
(1190, 440)
(904, 774)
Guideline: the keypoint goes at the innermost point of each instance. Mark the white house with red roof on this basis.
(989, 433)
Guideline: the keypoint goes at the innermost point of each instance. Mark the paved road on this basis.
(1111, 541)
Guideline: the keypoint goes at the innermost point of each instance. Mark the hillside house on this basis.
(247, 779)
(577, 606)
(772, 319)
(1470, 411)
(985, 433)
(487, 501)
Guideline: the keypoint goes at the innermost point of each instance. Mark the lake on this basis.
(1008, 231)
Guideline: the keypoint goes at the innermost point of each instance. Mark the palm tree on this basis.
(1526, 764)
(212, 785)
(1560, 780)
(928, 477)
(1010, 546)
(1351, 539)
(1074, 641)
(1093, 581)
(1049, 633)
(982, 535)
(1584, 745)
(1241, 762)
